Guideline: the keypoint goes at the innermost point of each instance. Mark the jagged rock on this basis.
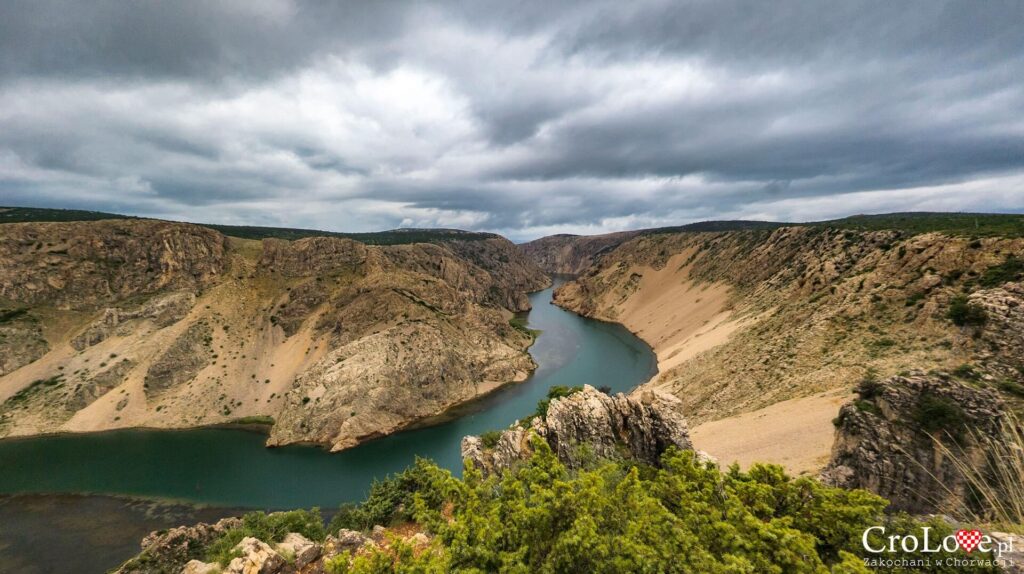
(182, 361)
(346, 541)
(167, 551)
(163, 310)
(882, 443)
(257, 558)
(590, 424)
(301, 548)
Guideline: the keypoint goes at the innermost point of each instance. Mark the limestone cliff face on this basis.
(144, 323)
(886, 440)
(743, 319)
(84, 264)
(572, 254)
(590, 425)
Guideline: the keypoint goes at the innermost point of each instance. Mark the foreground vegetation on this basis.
(685, 516)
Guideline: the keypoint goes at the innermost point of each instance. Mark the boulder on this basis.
(257, 558)
(301, 548)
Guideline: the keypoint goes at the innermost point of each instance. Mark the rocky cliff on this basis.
(122, 323)
(589, 425)
(888, 440)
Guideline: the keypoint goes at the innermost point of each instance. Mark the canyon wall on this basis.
(128, 323)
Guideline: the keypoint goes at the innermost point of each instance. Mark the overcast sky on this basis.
(516, 117)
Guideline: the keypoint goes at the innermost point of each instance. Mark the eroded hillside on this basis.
(125, 323)
(742, 320)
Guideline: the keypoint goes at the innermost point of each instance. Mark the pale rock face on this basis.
(162, 310)
(590, 424)
(297, 545)
(257, 558)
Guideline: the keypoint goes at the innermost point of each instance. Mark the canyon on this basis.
(139, 323)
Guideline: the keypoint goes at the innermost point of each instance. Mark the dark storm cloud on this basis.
(524, 118)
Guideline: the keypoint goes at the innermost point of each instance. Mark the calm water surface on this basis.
(232, 467)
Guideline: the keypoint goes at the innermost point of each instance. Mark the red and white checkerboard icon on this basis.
(968, 539)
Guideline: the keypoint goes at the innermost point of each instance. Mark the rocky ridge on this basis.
(589, 425)
(801, 309)
(120, 323)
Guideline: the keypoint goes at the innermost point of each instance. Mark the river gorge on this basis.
(231, 469)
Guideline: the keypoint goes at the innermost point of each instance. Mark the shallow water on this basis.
(232, 468)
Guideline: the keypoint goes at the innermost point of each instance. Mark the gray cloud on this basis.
(524, 118)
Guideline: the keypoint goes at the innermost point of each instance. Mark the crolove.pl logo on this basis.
(990, 551)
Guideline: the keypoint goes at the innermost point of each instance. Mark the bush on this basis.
(684, 517)
(391, 500)
(490, 438)
(269, 528)
(555, 392)
(1012, 269)
(938, 414)
(962, 312)
(869, 387)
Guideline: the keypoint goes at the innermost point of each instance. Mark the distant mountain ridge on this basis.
(401, 236)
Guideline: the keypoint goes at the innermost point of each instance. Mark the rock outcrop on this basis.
(590, 425)
(885, 440)
(183, 550)
(122, 323)
(171, 550)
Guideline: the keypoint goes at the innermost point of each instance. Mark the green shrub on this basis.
(868, 407)
(966, 371)
(869, 387)
(1011, 387)
(963, 312)
(391, 500)
(7, 315)
(684, 517)
(937, 414)
(269, 528)
(555, 392)
(490, 438)
(1012, 269)
(519, 324)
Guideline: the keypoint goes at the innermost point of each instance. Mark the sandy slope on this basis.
(681, 318)
(797, 434)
